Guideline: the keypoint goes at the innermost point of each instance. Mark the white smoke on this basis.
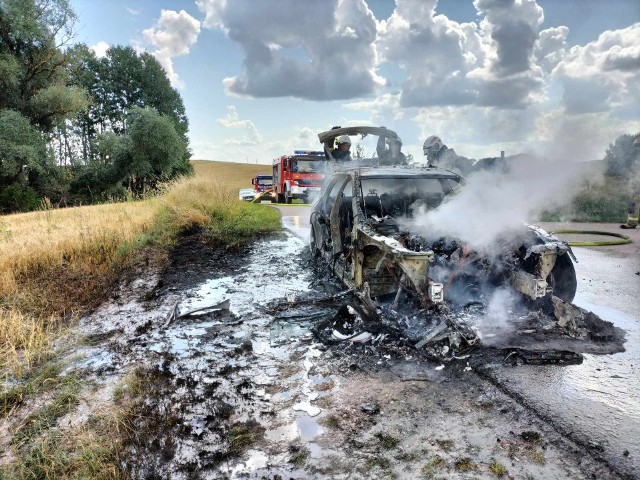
(495, 321)
(492, 203)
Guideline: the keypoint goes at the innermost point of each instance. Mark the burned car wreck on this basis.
(439, 292)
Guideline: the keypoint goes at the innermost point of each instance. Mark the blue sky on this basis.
(260, 78)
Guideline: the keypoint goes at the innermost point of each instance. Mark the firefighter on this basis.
(342, 152)
(439, 154)
(391, 155)
(634, 203)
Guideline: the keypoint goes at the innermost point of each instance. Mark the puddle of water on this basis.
(610, 379)
(600, 398)
(298, 225)
(283, 396)
(315, 450)
(308, 428)
(255, 461)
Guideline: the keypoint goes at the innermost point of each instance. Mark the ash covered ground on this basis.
(246, 389)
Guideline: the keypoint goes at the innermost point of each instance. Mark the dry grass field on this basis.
(232, 175)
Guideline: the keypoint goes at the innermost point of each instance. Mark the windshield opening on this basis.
(400, 196)
(308, 166)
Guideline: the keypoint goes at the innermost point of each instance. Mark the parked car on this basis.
(246, 194)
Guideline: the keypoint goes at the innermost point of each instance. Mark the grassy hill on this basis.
(230, 174)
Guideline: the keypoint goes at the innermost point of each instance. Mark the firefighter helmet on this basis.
(344, 139)
(432, 144)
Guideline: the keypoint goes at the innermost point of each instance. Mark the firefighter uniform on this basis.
(634, 213)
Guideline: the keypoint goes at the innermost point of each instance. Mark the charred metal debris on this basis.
(439, 294)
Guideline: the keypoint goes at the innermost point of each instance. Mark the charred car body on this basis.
(358, 227)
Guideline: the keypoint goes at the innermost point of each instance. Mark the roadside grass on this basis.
(595, 202)
(45, 450)
(58, 264)
(215, 207)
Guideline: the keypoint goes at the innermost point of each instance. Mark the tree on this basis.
(622, 157)
(149, 153)
(121, 80)
(117, 83)
(156, 152)
(33, 75)
(27, 169)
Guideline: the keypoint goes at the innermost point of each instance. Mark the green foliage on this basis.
(241, 223)
(120, 81)
(41, 379)
(243, 435)
(27, 169)
(601, 205)
(20, 145)
(65, 399)
(115, 123)
(433, 466)
(16, 198)
(33, 77)
(607, 201)
(57, 102)
(497, 469)
(154, 151)
(622, 157)
(387, 441)
(604, 202)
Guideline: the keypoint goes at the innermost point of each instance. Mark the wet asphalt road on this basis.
(596, 403)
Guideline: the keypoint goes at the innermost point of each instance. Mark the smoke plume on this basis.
(492, 203)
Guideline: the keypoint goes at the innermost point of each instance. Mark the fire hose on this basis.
(622, 239)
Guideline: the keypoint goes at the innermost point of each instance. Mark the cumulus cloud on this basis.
(603, 74)
(320, 50)
(384, 110)
(491, 63)
(251, 135)
(100, 48)
(550, 47)
(172, 35)
(513, 27)
(614, 50)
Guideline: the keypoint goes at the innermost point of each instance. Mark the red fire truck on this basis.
(262, 183)
(299, 175)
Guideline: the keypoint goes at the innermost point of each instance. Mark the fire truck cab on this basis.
(300, 175)
(262, 183)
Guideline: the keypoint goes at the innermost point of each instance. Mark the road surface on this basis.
(596, 403)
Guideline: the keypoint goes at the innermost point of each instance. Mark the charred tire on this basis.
(287, 198)
(563, 278)
(280, 198)
(315, 252)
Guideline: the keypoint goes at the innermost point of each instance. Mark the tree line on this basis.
(75, 128)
